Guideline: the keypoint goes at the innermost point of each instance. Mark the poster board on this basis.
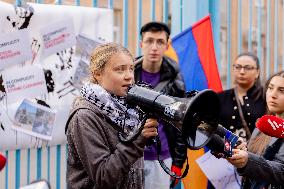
(61, 66)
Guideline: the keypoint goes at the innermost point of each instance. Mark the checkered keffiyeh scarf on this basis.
(114, 107)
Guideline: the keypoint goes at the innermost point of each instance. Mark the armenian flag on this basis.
(193, 49)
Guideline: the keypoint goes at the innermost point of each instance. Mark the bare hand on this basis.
(239, 158)
(150, 128)
(242, 145)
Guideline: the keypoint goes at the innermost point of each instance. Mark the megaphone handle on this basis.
(152, 140)
(164, 166)
(135, 134)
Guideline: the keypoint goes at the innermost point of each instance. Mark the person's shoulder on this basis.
(84, 113)
(226, 96)
(171, 62)
(255, 132)
(84, 107)
(138, 62)
(225, 93)
(170, 66)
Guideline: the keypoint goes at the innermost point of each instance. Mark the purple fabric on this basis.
(150, 78)
(150, 152)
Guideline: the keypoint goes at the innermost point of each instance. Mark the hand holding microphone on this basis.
(239, 158)
(241, 144)
(271, 126)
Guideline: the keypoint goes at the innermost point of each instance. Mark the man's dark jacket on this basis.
(169, 72)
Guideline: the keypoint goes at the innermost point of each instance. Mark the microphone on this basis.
(222, 142)
(216, 143)
(271, 126)
(2, 162)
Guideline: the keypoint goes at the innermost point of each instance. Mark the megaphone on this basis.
(195, 116)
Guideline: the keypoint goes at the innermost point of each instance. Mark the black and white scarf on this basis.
(114, 107)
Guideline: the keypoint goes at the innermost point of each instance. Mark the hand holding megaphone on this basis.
(195, 116)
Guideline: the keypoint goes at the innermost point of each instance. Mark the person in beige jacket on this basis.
(96, 156)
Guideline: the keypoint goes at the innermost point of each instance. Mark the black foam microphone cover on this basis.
(216, 143)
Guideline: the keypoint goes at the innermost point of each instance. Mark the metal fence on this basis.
(238, 26)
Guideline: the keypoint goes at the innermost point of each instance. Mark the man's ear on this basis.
(167, 47)
(168, 43)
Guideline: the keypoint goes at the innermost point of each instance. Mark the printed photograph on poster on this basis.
(85, 46)
(58, 36)
(35, 120)
(82, 74)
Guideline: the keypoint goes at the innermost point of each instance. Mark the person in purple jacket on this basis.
(163, 74)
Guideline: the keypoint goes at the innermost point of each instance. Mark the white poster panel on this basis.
(63, 72)
(220, 172)
(58, 36)
(14, 48)
(24, 82)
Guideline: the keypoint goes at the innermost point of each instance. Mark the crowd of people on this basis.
(97, 158)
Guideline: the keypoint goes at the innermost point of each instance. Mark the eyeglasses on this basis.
(159, 43)
(246, 68)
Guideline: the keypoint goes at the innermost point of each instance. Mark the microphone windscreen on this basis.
(271, 126)
(221, 131)
(216, 143)
(2, 162)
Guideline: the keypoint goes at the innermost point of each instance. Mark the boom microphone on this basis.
(2, 162)
(271, 126)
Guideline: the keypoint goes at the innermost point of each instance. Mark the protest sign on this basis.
(220, 172)
(63, 73)
(24, 82)
(58, 36)
(14, 48)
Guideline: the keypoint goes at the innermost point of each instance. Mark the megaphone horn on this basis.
(195, 116)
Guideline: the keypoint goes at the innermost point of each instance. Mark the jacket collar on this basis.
(249, 92)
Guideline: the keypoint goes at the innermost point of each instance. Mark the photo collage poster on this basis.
(44, 60)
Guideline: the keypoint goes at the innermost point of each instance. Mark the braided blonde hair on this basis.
(102, 54)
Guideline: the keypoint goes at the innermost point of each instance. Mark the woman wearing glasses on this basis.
(244, 103)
